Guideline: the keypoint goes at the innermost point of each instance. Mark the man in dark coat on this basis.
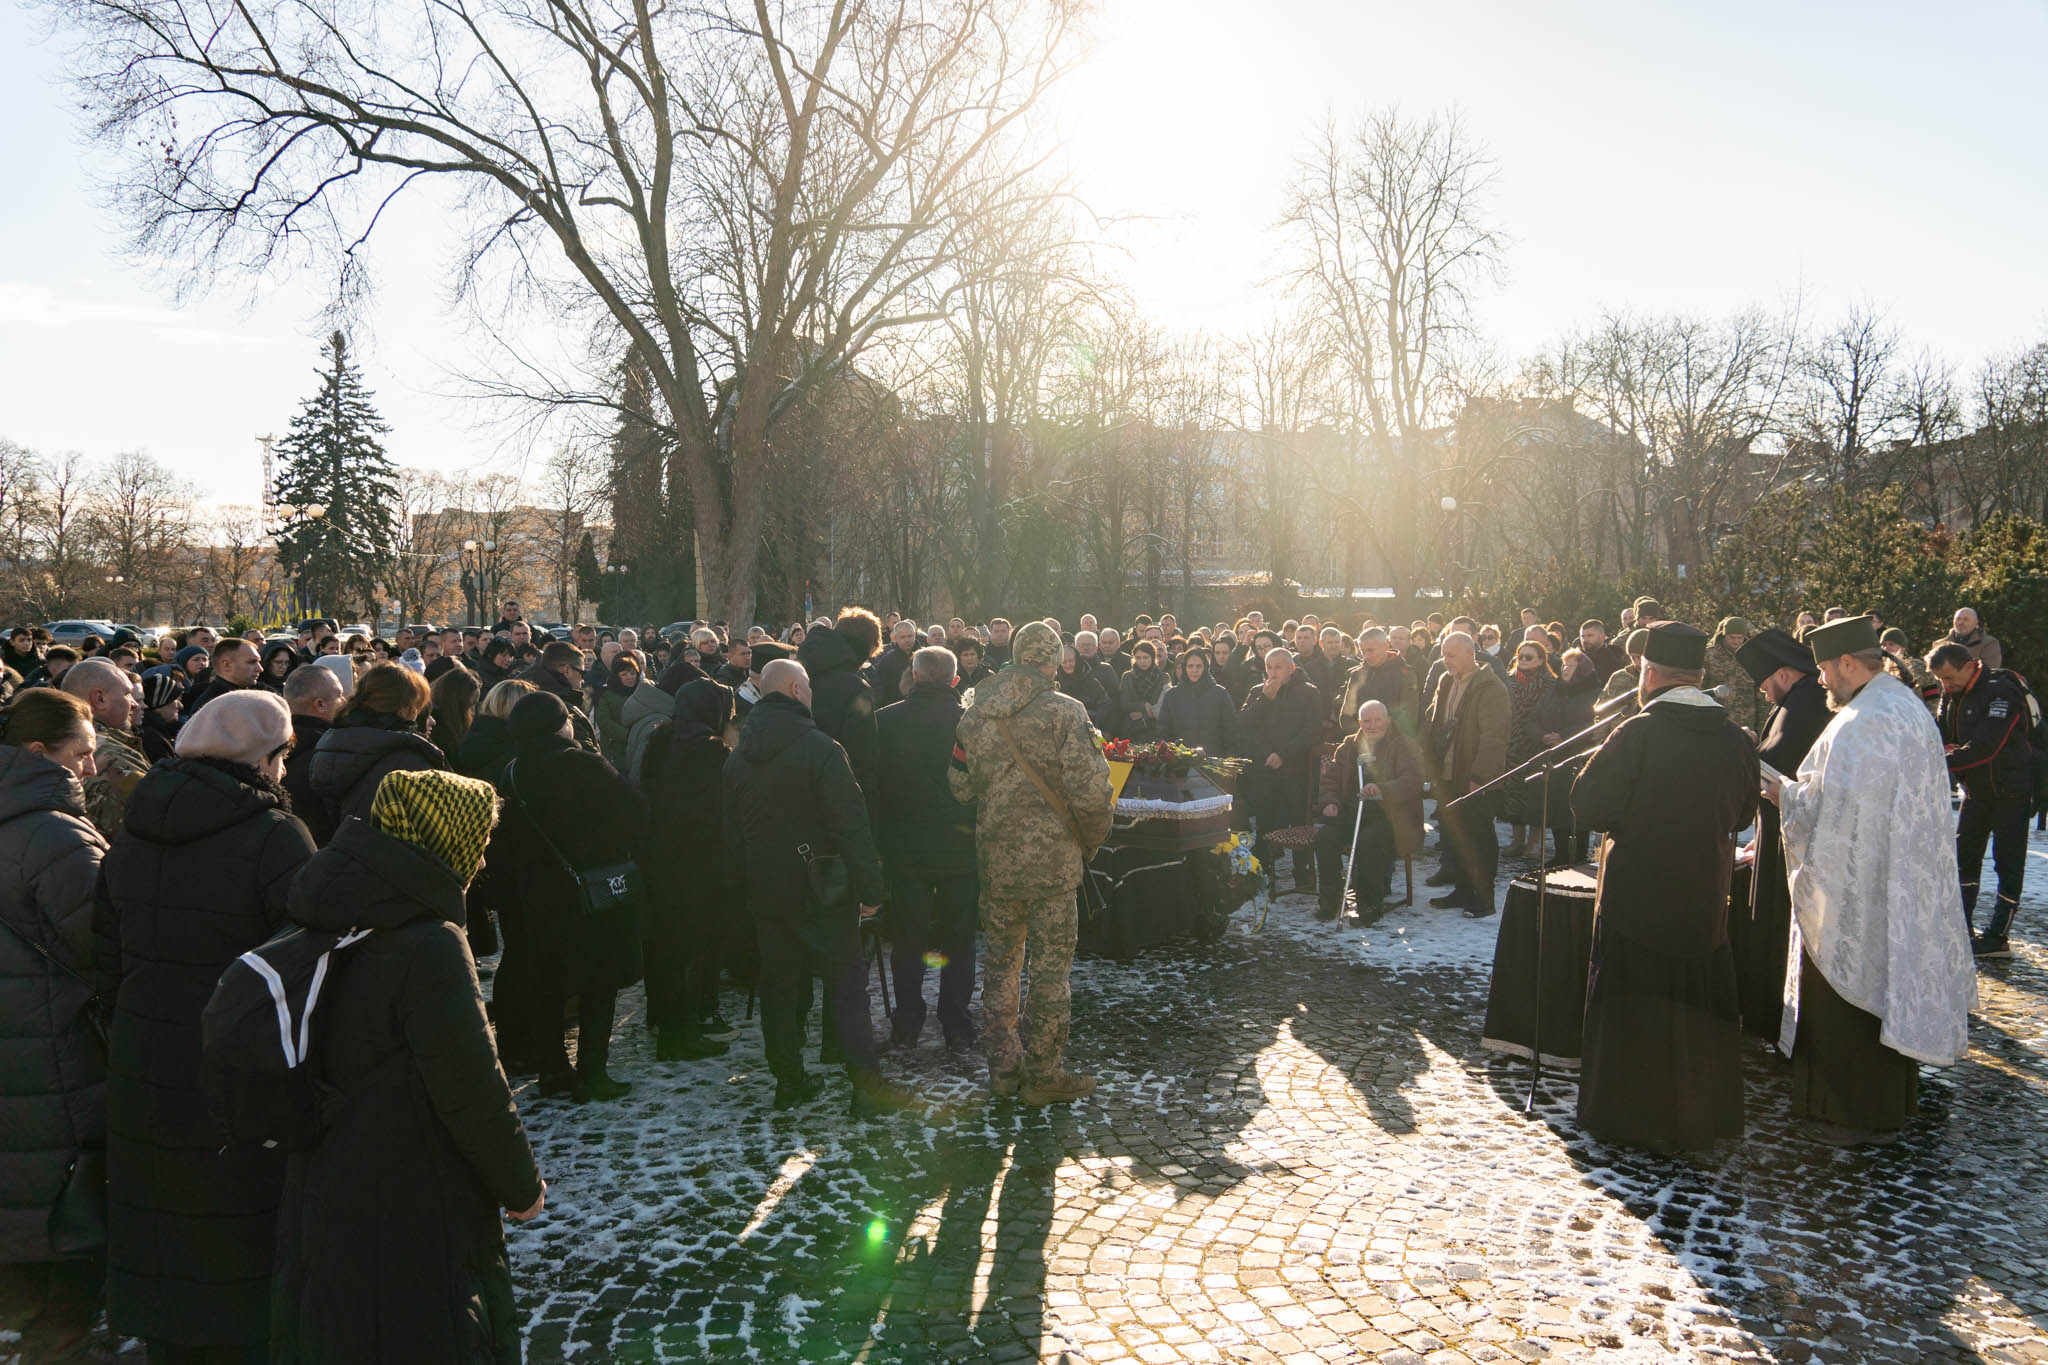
(1759, 929)
(313, 694)
(390, 1239)
(843, 702)
(927, 844)
(1672, 785)
(197, 877)
(1466, 733)
(1608, 658)
(1278, 730)
(1985, 721)
(559, 672)
(234, 669)
(1382, 675)
(791, 799)
(890, 666)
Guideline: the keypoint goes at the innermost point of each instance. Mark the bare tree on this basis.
(1284, 375)
(140, 523)
(571, 492)
(495, 542)
(236, 565)
(742, 194)
(1393, 236)
(1852, 405)
(424, 546)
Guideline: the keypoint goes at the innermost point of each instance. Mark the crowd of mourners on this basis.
(719, 812)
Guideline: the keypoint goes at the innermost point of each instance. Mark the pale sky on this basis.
(1656, 157)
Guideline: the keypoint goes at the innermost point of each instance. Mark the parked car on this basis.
(70, 632)
(361, 628)
(147, 635)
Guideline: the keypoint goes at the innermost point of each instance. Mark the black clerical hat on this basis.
(1674, 644)
(1769, 650)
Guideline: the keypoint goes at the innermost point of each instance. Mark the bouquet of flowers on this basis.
(1244, 877)
(1168, 757)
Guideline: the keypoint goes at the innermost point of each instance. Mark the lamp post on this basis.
(475, 555)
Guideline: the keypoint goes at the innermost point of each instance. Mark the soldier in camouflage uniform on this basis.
(1746, 705)
(116, 702)
(1031, 858)
(1625, 681)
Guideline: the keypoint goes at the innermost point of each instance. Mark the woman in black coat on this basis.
(196, 877)
(568, 813)
(51, 1088)
(699, 905)
(377, 731)
(1568, 710)
(1138, 694)
(493, 893)
(1529, 690)
(1081, 684)
(1196, 710)
(843, 703)
(389, 1243)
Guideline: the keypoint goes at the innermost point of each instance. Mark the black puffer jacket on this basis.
(197, 876)
(843, 705)
(52, 1101)
(486, 749)
(923, 828)
(307, 732)
(593, 819)
(789, 783)
(355, 754)
(389, 1240)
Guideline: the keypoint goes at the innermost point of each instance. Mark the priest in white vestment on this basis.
(1879, 977)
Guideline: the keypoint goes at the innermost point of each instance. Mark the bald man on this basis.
(792, 803)
(115, 698)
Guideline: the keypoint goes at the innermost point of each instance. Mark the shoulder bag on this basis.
(597, 889)
(1052, 798)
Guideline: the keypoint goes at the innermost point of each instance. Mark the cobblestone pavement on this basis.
(1299, 1153)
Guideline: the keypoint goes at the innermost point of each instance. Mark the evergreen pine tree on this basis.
(332, 461)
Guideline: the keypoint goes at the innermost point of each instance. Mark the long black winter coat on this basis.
(594, 820)
(1199, 714)
(1083, 687)
(697, 871)
(197, 876)
(923, 827)
(51, 1094)
(789, 783)
(1671, 786)
(843, 705)
(486, 749)
(355, 755)
(1290, 725)
(307, 732)
(389, 1242)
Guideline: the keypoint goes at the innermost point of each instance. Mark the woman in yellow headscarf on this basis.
(390, 1237)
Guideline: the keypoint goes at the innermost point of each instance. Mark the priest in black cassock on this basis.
(1672, 786)
(1760, 925)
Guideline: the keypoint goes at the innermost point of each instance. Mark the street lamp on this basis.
(475, 555)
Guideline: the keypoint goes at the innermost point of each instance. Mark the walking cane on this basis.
(1351, 863)
(1536, 1026)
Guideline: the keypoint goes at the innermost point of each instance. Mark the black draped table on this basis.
(1516, 995)
(1154, 878)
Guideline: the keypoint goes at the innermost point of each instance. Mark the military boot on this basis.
(1061, 1088)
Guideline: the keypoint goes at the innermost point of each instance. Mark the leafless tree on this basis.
(1852, 406)
(741, 194)
(235, 563)
(1393, 236)
(571, 493)
(139, 519)
(424, 545)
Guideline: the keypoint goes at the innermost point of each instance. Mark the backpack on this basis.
(256, 1040)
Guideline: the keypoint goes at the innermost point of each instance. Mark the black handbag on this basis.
(829, 880)
(598, 889)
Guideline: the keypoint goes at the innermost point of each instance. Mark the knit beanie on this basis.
(438, 813)
(187, 655)
(535, 715)
(243, 727)
(161, 687)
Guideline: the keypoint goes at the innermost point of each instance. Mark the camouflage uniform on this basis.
(117, 757)
(1030, 864)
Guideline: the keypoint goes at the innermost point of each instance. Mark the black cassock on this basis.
(1662, 1066)
(1759, 935)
